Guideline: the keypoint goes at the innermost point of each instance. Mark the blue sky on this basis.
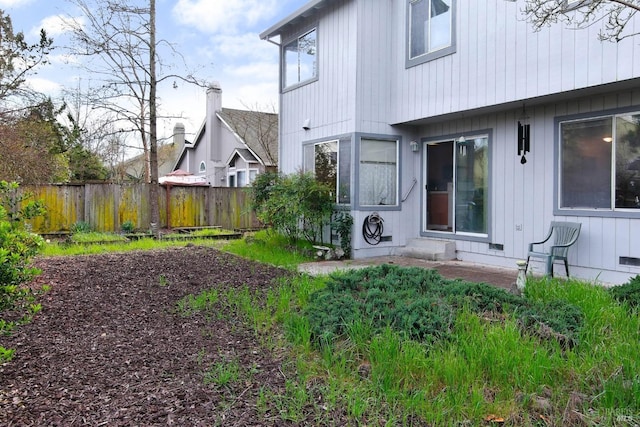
(218, 38)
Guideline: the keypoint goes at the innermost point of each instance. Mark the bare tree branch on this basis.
(613, 15)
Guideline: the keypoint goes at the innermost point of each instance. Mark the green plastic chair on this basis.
(565, 234)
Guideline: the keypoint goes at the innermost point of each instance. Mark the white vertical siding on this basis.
(524, 194)
(363, 86)
(500, 59)
(329, 103)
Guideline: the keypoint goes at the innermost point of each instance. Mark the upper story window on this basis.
(300, 59)
(574, 4)
(431, 30)
(608, 147)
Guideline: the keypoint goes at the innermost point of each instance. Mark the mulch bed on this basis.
(109, 347)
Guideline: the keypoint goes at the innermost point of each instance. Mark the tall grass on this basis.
(65, 249)
(271, 248)
(489, 367)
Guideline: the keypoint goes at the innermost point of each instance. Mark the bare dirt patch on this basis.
(109, 347)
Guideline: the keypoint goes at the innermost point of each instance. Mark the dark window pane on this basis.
(585, 154)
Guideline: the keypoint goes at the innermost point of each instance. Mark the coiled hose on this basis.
(372, 228)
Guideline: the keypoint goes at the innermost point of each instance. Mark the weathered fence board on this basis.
(105, 207)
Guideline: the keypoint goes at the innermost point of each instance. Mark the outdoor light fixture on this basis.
(607, 139)
(414, 146)
(307, 124)
(524, 136)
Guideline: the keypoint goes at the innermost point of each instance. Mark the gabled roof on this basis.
(258, 131)
(245, 154)
(304, 12)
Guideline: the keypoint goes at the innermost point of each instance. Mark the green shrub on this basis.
(80, 227)
(128, 227)
(295, 205)
(628, 292)
(389, 296)
(343, 224)
(420, 304)
(17, 247)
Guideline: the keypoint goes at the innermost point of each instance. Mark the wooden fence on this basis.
(105, 207)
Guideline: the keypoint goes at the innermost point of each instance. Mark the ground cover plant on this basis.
(497, 359)
(628, 293)
(192, 335)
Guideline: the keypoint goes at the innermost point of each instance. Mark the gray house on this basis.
(465, 130)
(231, 147)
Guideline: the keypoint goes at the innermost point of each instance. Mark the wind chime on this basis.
(524, 136)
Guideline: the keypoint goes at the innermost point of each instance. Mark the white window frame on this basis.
(249, 174)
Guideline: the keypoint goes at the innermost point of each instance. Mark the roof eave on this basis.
(304, 12)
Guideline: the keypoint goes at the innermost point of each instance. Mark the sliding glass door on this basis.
(456, 189)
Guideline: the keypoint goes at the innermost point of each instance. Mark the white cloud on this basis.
(45, 86)
(63, 59)
(223, 16)
(257, 71)
(245, 46)
(54, 25)
(258, 96)
(13, 3)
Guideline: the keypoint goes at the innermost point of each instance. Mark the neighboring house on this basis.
(416, 104)
(232, 146)
(133, 169)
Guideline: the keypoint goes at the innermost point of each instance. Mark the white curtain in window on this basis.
(378, 172)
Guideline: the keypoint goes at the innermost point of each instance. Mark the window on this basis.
(600, 163)
(574, 4)
(241, 178)
(378, 183)
(203, 167)
(430, 32)
(330, 162)
(300, 60)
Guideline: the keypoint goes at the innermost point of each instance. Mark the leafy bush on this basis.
(128, 227)
(628, 292)
(343, 224)
(81, 227)
(295, 205)
(422, 305)
(17, 247)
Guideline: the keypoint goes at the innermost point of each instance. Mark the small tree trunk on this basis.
(153, 137)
